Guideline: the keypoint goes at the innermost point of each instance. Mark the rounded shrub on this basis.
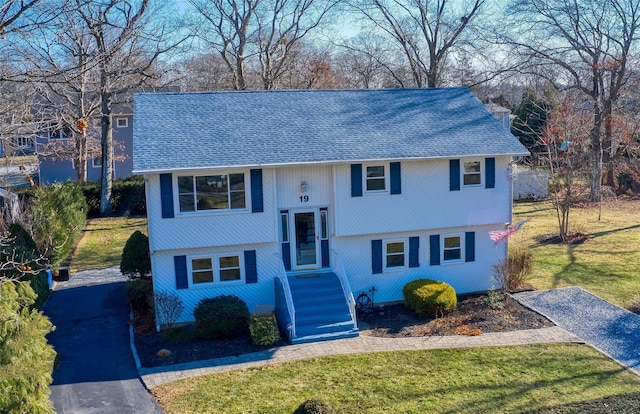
(224, 316)
(429, 297)
(314, 406)
(135, 260)
(264, 329)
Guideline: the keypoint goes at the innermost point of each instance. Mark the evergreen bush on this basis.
(26, 360)
(139, 293)
(127, 196)
(314, 406)
(429, 297)
(224, 316)
(55, 217)
(135, 261)
(264, 329)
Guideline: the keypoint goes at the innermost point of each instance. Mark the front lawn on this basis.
(606, 264)
(102, 240)
(477, 380)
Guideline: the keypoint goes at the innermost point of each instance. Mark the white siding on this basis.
(190, 231)
(164, 278)
(475, 276)
(319, 187)
(425, 202)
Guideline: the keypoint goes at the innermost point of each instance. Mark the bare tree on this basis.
(583, 45)
(10, 13)
(565, 140)
(259, 34)
(425, 31)
(365, 62)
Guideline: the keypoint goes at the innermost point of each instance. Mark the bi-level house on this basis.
(303, 199)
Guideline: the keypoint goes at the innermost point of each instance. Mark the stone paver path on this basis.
(153, 377)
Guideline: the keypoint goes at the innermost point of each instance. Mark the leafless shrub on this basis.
(513, 272)
(168, 306)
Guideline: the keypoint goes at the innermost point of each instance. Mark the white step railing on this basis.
(346, 288)
(282, 275)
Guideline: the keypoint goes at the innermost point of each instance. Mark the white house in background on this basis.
(303, 199)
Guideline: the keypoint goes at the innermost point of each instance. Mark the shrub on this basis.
(314, 406)
(127, 196)
(135, 260)
(429, 297)
(139, 293)
(168, 307)
(512, 273)
(264, 329)
(221, 317)
(26, 360)
(55, 218)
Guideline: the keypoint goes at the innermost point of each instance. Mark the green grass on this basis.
(606, 264)
(477, 380)
(102, 241)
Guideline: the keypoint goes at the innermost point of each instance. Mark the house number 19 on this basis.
(304, 198)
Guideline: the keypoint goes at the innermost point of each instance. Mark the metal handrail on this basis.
(288, 298)
(346, 288)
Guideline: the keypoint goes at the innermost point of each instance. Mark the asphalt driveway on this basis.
(96, 371)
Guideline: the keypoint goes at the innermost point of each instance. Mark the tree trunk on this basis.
(81, 158)
(107, 156)
(596, 151)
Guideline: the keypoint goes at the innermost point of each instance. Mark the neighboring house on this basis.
(303, 199)
(61, 169)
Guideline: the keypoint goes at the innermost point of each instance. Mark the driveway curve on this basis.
(607, 327)
(96, 372)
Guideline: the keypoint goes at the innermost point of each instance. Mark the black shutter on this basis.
(182, 277)
(414, 251)
(490, 173)
(434, 250)
(257, 204)
(250, 266)
(166, 195)
(356, 180)
(376, 256)
(470, 246)
(454, 175)
(395, 178)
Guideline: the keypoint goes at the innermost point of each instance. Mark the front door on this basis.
(306, 247)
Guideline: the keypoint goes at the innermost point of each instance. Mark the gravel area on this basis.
(609, 328)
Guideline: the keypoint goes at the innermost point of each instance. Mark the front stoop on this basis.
(322, 312)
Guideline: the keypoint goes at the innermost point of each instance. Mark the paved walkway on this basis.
(96, 373)
(607, 327)
(152, 377)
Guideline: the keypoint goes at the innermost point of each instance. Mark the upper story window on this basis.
(212, 192)
(122, 122)
(471, 173)
(395, 254)
(375, 178)
(452, 248)
(22, 142)
(56, 131)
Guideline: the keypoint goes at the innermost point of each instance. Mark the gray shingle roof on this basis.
(218, 129)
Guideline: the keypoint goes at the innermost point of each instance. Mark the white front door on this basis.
(306, 246)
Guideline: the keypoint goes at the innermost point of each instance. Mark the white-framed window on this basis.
(212, 192)
(222, 269)
(472, 173)
(22, 142)
(395, 254)
(96, 162)
(122, 122)
(452, 248)
(62, 132)
(376, 177)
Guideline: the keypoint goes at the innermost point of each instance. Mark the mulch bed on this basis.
(472, 317)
